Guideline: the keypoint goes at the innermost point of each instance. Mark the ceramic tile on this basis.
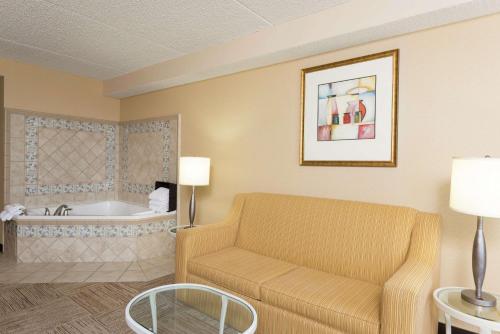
(6, 267)
(16, 125)
(27, 267)
(99, 231)
(114, 266)
(17, 149)
(69, 156)
(134, 266)
(73, 276)
(144, 154)
(132, 276)
(16, 174)
(60, 267)
(85, 266)
(42, 277)
(105, 276)
(154, 273)
(13, 277)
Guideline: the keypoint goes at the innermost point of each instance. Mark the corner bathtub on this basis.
(109, 231)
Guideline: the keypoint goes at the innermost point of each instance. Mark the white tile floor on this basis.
(145, 270)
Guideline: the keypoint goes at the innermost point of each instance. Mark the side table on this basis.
(449, 301)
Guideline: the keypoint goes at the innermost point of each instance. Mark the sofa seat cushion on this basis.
(345, 304)
(238, 270)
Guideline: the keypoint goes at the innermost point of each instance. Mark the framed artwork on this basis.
(349, 112)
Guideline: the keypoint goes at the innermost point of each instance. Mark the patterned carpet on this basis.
(69, 308)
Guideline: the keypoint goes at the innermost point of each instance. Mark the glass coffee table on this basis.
(189, 308)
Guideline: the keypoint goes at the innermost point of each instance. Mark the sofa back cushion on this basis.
(359, 240)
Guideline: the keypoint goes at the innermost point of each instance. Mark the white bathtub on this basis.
(109, 231)
(106, 210)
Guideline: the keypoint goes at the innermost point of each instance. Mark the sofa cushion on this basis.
(364, 241)
(346, 304)
(238, 270)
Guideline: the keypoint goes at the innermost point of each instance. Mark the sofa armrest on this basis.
(206, 239)
(407, 305)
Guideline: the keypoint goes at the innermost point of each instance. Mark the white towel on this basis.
(159, 206)
(159, 209)
(12, 211)
(160, 194)
(155, 202)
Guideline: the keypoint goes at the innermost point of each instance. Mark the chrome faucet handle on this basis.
(47, 212)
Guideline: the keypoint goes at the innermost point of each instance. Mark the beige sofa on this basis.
(311, 265)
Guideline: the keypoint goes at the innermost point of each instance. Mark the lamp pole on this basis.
(192, 208)
(478, 297)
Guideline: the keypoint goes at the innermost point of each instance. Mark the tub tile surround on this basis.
(54, 159)
(68, 156)
(90, 243)
(148, 151)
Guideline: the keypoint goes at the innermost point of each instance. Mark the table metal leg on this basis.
(154, 316)
(223, 311)
(447, 320)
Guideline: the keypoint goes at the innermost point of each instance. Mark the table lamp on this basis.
(475, 190)
(194, 171)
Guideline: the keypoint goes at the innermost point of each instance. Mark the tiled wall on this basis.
(93, 243)
(52, 159)
(148, 153)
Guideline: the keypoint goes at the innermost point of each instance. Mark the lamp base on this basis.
(486, 299)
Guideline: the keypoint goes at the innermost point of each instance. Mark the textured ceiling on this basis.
(107, 38)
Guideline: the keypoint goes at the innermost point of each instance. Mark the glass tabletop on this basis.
(452, 297)
(190, 308)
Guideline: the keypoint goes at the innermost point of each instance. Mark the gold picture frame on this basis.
(392, 160)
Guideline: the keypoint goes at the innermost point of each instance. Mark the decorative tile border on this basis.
(162, 126)
(33, 123)
(87, 231)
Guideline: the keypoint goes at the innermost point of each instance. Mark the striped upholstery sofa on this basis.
(311, 265)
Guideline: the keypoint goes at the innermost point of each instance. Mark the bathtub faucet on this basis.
(61, 209)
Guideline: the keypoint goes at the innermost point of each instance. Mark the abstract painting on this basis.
(347, 109)
(349, 112)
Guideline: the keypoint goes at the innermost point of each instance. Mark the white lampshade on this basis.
(194, 171)
(475, 186)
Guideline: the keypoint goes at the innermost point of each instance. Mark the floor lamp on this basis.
(194, 171)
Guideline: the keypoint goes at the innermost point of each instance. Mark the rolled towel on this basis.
(158, 203)
(158, 206)
(12, 211)
(159, 209)
(160, 194)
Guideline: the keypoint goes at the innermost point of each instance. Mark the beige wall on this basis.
(31, 87)
(248, 123)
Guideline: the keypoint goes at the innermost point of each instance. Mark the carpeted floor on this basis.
(68, 308)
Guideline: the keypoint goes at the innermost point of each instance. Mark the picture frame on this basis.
(349, 112)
